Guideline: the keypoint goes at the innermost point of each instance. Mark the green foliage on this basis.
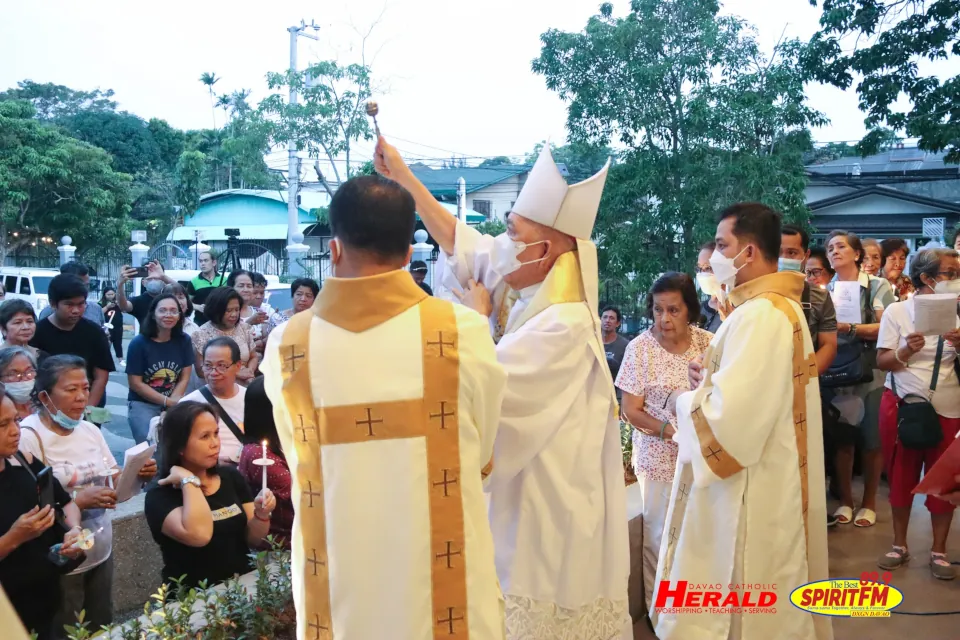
(227, 613)
(881, 42)
(706, 119)
(492, 227)
(123, 135)
(366, 169)
(581, 159)
(499, 161)
(169, 141)
(329, 117)
(190, 168)
(55, 183)
(53, 101)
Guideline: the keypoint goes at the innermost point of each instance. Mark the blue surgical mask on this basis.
(153, 287)
(790, 264)
(60, 417)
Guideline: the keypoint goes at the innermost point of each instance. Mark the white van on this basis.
(28, 284)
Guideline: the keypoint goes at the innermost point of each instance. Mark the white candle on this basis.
(264, 467)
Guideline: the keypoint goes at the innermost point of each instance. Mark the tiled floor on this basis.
(854, 550)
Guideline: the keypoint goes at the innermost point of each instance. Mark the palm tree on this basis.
(223, 102)
(209, 79)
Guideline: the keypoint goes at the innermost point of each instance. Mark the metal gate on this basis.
(36, 255)
(251, 256)
(104, 264)
(171, 256)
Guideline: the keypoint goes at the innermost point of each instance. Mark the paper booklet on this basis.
(935, 314)
(129, 483)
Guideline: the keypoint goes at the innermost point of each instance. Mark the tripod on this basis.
(230, 256)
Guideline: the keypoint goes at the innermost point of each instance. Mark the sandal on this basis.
(844, 515)
(941, 568)
(865, 515)
(895, 558)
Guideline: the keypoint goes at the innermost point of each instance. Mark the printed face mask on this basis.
(503, 258)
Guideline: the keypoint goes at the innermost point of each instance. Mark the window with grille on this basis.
(482, 206)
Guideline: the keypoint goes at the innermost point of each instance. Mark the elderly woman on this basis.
(818, 270)
(81, 460)
(19, 324)
(653, 374)
(912, 360)
(894, 252)
(28, 531)
(872, 257)
(18, 372)
(845, 252)
(223, 309)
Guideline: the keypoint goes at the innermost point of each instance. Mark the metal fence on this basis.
(624, 295)
(34, 256)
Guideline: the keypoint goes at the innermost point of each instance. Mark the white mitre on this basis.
(546, 198)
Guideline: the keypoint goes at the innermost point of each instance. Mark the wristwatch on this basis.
(194, 480)
(852, 332)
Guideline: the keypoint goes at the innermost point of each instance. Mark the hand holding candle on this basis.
(264, 462)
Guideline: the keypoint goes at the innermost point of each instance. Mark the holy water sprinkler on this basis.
(372, 110)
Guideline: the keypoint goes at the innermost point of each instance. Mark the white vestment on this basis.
(750, 475)
(389, 489)
(557, 496)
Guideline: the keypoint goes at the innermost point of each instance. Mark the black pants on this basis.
(116, 337)
(37, 605)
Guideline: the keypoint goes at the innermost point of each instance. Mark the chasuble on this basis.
(557, 498)
(748, 505)
(387, 402)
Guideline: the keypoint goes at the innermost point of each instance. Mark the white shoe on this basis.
(123, 362)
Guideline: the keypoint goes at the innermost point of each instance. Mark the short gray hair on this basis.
(928, 262)
(9, 354)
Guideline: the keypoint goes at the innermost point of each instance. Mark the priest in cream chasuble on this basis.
(748, 505)
(557, 498)
(387, 403)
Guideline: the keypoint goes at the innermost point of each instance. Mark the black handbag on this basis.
(918, 425)
(856, 359)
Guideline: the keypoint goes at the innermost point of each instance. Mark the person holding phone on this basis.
(28, 531)
(154, 279)
(81, 460)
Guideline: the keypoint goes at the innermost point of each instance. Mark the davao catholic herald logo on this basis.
(689, 597)
(868, 597)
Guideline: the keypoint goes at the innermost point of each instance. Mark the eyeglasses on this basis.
(704, 269)
(219, 367)
(167, 312)
(19, 377)
(815, 272)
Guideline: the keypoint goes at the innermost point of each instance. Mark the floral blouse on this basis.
(242, 334)
(651, 371)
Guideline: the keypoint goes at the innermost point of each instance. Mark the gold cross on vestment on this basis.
(449, 554)
(369, 422)
(440, 342)
(449, 620)
(290, 362)
(443, 415)
(445, 482)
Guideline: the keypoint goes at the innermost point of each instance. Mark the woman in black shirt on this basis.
(202, 515)
(27, 532)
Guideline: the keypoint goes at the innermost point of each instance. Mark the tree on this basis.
(329, 117)
(123, 135)
(169, 141)
(499, 161)
(52, 101)
(890, 38)
(208, 79)
(56, 184)
(190, 170)
(706, 120)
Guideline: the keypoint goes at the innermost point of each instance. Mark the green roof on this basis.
(443, 182)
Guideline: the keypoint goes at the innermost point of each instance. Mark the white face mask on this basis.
(724, 269)
(503, 258)
(20, 391)
(708, 283)
(947, 286)
(790, 264)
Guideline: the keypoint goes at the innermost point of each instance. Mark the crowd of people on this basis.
(488, 437)
(187, 384)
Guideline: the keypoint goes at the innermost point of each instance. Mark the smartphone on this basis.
(45, 487)
(141, 272)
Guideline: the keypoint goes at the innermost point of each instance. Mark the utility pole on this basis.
(293, 161)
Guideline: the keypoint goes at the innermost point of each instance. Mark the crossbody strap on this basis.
(936, 371)
(227, 420)
(43, 454)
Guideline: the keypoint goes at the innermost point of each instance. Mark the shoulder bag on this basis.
(854, 361)
(227, 420)
(918, 425)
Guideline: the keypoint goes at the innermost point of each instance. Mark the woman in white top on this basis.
(910, 357)
(81, 461)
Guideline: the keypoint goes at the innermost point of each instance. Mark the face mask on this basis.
(790, 264)
(20, 391)
(708, 284)
(153, 287)
(947, 286)
(723, 268)
(60, 417)
(503, 258)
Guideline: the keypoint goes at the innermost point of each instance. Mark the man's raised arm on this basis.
(438, 221)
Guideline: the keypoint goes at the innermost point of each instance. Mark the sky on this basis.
(453, 76)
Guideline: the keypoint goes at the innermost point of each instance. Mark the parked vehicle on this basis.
(28, 284)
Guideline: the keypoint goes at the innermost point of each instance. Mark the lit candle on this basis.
(265, 463)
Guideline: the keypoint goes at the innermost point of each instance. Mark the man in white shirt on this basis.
(221, 363)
